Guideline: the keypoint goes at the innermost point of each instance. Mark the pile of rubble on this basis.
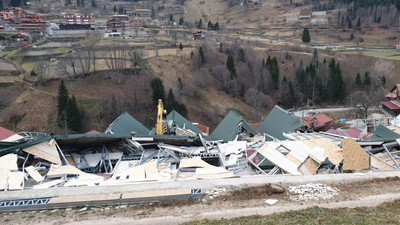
(312, 192)
(129, 153)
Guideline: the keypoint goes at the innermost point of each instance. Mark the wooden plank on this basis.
(355, 158)
(7, 164)
(379, 164)
(15, 180)
(63, 170)
(136, 173)
(277, 158)
(85, 180)
(34, 173)
(12, 138)
(48, 184)
(309, 167)
(332, 151)
(195, 162)
(292, 159)
(45, 150)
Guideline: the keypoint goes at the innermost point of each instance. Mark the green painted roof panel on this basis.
(383, 133)
(125, 124)
(182, 122)
(228, 129)
(279, 121)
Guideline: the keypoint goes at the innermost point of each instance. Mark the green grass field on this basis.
(377, 54)
(387, 213)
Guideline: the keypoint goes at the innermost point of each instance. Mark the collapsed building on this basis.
(129, 153)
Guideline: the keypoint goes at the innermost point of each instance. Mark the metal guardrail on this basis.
(43, 203)
(24, 202)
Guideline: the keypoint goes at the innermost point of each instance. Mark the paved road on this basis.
(306, 112)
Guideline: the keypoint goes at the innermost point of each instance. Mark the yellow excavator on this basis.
(160, 112)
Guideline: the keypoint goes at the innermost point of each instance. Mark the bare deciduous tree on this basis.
(137, 59)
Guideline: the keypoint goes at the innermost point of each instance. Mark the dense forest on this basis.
(362, 13)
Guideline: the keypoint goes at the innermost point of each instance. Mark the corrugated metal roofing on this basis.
(125, 124)
(88, 139)
(182, 122)
(383, 133)
(228, 129)
(279, 121)
(10, 147)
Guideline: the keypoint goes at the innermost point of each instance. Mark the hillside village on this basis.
(177, 101)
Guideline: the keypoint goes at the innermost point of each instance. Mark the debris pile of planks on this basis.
(129, 153)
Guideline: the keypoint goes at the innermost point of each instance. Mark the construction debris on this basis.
(129, 153)
(312, 192)
(271, 201)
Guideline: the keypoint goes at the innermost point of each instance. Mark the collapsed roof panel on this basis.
(125, 124)
(45, 150)
(229, 127)
(10, 147)
(5, 133)
(182, 122)
(88, 139)
(279, 121)
(382, 133)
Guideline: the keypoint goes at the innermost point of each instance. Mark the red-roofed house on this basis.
(5, 133)
(392, 103)
(351, 132)
(204, 129)
(93, 132)
(317, 122)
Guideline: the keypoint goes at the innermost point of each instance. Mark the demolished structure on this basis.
(129, 153)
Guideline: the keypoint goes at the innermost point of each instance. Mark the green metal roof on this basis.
(279, 121)
(125, 124)
(383, 133)
(88, 139)
(182, 122)
(13, 146)
(228, 129)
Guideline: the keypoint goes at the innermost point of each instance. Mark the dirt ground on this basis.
(231, 201)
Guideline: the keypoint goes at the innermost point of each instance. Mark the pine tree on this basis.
(216, 26)
(78, 3)
(115, 9)
(153, 14)
(94, 4)
(121, 10)
(336, 86)
(181, 21)
(359, 22)
(202, 56)
(230, 65)
(62, 101)
(171, 17)
(367, 79)
(210, 25)
(170, 102)
(1, 5)
(74, 120)
(200, 24)
(306, 38)
(180, 46)
(358, 81)
(274, 72)
(158, 90)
